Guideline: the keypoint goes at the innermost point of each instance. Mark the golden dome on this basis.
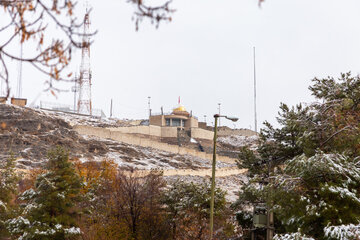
(180, 108)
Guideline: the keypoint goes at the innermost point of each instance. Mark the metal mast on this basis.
(255, 115)
(84, 102)
(19, 83)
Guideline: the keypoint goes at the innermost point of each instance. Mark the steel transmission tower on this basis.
(84, 100)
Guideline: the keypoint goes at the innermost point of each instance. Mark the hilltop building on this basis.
(179, 118)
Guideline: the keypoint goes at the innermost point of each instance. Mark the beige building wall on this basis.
(158, 120)
(242, 132)
(202, 133)
(2, 100)
(145, 130)
(167, 132)
(21, 102)
(136, 140)
(202, 125)
(191, 123)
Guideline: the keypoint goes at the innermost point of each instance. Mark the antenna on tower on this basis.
(255, 116)
(84, 101)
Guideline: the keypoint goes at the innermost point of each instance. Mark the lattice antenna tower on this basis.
(84, 100)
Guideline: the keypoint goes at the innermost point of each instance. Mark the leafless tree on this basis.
(136, 200)
(33, 23)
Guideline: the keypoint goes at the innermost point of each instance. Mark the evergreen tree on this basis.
(188, 208)
(8, 188)
(49, 211)
(309, 168)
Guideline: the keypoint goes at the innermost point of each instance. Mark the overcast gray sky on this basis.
(205, 56)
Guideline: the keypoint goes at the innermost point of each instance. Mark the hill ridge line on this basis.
(106, 133)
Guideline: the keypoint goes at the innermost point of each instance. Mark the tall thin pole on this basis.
(255, 116)
(111, 105)
(213, 180)
(219, 112)
(75, 90)
(19, 86)
(149, 106)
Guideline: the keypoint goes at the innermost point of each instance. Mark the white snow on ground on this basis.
(239, 141)
(230, 184)
(343, 232)
(292, 236)
(74, 119)
(132, 156)
(149, 158)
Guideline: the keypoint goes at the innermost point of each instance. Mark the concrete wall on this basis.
(168, 132)
(242, 132)
(191, 123)
(202, 125)
(145, 130)
(202, 133)
(21, 102)
(144, 142)
(148, 130)
(157, 120)
(223, 172)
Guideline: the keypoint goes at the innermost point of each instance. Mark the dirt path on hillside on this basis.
(221, 172)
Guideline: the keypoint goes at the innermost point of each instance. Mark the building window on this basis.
(167, 122)
(183, 123)
(176, 122)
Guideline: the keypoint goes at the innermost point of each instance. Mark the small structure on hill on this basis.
(21, 102)
(3, 99)
(179, 117)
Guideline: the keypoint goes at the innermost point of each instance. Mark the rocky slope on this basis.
(27, 135)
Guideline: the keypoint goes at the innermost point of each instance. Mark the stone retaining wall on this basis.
(120, 136)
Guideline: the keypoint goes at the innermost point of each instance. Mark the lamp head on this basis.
(234, 119)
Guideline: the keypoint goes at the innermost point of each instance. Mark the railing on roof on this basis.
(169, 113)
(159, 113)
(97, 113)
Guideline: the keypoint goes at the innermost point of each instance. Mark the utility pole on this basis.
(255, 92)
(205, 119)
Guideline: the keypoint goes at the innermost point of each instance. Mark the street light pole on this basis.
(216, 116)
(212, 200)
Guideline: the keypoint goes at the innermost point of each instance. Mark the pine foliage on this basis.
(49, 210)
(308, 169)
(8, 189)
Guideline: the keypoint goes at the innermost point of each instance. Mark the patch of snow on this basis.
(344, 193)
(292, 236)
(2, 205)
(343, 232)
(72, 231)
(240, 141)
